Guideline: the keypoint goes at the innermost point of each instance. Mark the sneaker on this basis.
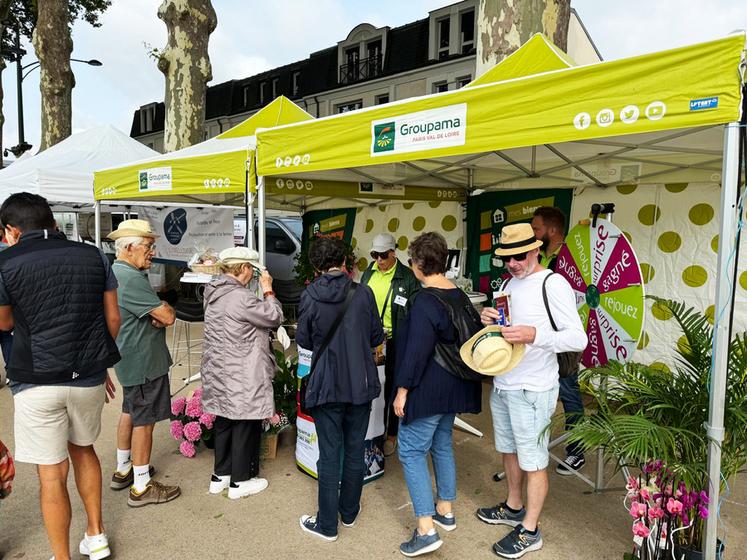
(219, 483)
(308, 523)
(501, 515)
(154, 493)
(247, 488)
(390, 446)
(95, 547)
(121, 481)
(446, 522)
(420, 544)
(352, 523)
(571, 464)
(517, 543)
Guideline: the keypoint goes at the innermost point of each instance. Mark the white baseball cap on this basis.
(237, 255)
(383, 242)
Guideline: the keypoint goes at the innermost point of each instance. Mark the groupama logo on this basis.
(384, 134)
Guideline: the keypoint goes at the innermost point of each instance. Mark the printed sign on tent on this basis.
(423, 130)
(184, 231)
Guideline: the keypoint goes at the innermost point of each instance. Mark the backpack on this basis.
(467, 323)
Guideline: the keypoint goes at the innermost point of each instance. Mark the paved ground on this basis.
(576, 525)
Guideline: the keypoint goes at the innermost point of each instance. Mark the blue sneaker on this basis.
(309, 524)
(501, 515)
(446, 522)
(420, 544)
(517, 543)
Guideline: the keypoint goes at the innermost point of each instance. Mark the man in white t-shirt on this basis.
(524, 399)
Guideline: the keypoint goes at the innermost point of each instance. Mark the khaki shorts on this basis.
(47, 417)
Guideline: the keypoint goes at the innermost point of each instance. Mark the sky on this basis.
(254, 36)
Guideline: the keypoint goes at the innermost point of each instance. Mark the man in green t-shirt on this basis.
(143, 370)
(393, 284)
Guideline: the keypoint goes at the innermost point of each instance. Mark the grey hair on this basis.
(121, 244)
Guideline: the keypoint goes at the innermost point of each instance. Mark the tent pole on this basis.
(97, 222)
(261, 233)
(247, 230)
(722, 314)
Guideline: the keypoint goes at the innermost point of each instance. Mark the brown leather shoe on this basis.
(154, 493)
(121, 481)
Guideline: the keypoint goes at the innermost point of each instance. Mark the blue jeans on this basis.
(415, 440)
(341, 429)
(573, 406)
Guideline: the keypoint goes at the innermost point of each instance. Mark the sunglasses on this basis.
(375, 255)
(519, 257)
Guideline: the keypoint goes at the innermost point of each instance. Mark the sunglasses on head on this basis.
(519, 257)
(375, 255)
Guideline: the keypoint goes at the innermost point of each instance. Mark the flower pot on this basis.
(269, 446)
(287, 437)
(682, 553)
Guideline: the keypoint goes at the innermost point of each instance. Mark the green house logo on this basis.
(143, 180)
(384, 137)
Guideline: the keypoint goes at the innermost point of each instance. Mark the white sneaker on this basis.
(95, 547)
(219, 483)
(247, 488)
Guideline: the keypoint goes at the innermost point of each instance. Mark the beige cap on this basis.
(237, 255)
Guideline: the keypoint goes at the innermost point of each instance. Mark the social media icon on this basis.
(288, 160)
(605, 117)
(655, 110)
(630, 114)
(582, 121)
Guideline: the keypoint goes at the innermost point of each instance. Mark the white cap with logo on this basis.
(383, 242)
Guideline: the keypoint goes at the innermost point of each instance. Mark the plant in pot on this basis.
(305, 273)
(653, 418)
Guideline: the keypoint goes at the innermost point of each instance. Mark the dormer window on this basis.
(275, 84)
(245, 94)
(147, 117)
(262, 92)
(467, 31)
(296, 83)
(443, 29)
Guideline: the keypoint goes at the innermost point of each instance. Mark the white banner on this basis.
(185, 231)
(424, 130)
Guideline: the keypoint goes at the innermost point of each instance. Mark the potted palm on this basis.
(653, 418)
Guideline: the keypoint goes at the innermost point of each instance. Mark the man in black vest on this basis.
(59, 298)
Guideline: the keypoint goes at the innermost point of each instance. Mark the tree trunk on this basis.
(504, 25)
(53, 45)
(4, 9)
(186, 65)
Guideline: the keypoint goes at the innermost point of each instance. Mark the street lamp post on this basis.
(22, 71)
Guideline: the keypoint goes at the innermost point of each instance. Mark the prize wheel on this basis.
(602, 268)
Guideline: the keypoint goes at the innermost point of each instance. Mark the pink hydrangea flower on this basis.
(637, 510)
(640, 530)
(192, 431)
(177, 405)
(674, 506)
(207, 420)
(177, 430)
(187, 448)
(198, 393)
(194, 407)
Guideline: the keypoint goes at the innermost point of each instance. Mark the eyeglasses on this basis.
(375, 255)
(519, 257)
(149, 247)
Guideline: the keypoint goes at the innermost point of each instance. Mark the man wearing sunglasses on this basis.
(393, 284)
(143, 371)
(524, 399)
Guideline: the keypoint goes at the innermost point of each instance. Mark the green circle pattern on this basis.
(669, 241)
(626, 189)
(649, 214)
(393, 225)
(449, 223)
(354, 243)
(701, 214)
(369, 225)
(434, 203)
(643, 342)
(660, 312)
(402, 243)
(408, 205)
(675, 187)
(743, 280)
(647, 272)
(694, 276)
(418, 223)
(362, 264)
(714, 243)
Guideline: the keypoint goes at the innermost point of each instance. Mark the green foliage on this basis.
(645, 414)
(305, 273)
(285, 385)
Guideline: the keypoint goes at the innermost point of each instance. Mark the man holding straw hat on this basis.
(522, 358)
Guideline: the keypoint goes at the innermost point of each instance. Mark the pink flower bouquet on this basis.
(190, 425)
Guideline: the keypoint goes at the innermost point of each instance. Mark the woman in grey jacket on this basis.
(237, 369)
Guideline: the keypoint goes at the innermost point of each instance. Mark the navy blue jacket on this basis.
(431, 389)
(345, 372)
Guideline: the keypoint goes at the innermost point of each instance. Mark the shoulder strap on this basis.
(503, 284)
(547, 304)
(335, 325)
(386, 301)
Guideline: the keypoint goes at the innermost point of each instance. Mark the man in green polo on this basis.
(393, 284)
(143, 370)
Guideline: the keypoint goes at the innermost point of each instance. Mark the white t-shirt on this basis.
(538, 369)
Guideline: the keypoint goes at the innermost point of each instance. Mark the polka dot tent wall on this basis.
(674, 230)
(405, 222)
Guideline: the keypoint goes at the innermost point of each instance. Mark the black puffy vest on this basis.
(56, 289)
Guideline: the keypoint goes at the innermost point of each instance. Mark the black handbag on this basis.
(325, 343)
(568, 362)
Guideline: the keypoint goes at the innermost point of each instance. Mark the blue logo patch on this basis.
(703, 103)
(175, 226)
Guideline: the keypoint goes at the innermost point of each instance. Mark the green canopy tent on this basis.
(671, 115)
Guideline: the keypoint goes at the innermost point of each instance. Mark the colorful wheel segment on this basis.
(601, 267)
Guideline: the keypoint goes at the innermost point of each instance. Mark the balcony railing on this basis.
(360, 70)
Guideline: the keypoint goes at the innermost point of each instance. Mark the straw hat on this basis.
(238, 255)
(133, 228)
(488, 352)
(517, 238)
